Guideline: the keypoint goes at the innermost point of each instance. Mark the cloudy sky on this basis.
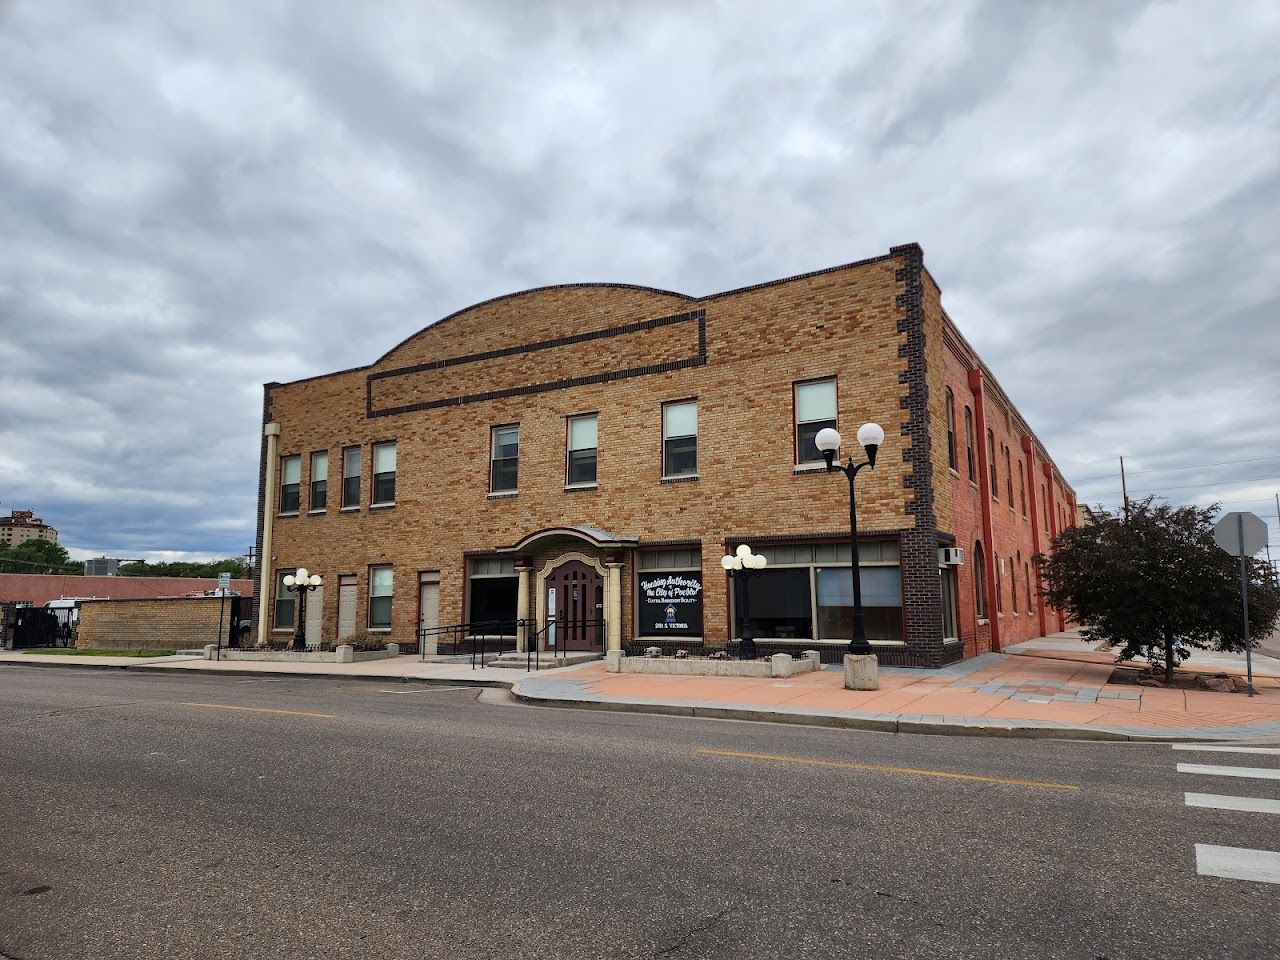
(196, 198)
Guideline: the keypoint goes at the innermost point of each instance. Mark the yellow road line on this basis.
(880, 768)
(288, 713)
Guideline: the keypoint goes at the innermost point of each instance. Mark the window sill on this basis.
(382, 506)
(313, 513)
(500, 494)
(682, 478)
(349, 510)
(974, 485)
(950, 641)
(984, 621)
(288, 630)
(289, 513)
(575, 487)
(378, 629)
(954, 472)
(809, 468)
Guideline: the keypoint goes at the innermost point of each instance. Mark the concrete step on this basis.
(546, 661)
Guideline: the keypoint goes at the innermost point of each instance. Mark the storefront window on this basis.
(669, 593)
(779, 604)
(491, 595)
(881, 603)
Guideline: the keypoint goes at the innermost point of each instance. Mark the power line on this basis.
(1182, 449)
(1197, 466)
(1215, 483)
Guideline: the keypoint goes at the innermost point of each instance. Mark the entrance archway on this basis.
(573, 597)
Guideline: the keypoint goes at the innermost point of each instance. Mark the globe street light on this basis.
(741, 565)
(870, 435)
(301, 583)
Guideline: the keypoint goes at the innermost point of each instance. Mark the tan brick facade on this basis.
(171, 623)
(539, 357)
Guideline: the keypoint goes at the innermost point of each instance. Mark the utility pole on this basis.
(1124, 490)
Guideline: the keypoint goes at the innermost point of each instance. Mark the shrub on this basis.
(364, 640)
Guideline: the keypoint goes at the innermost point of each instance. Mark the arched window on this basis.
(968, 444)
(1008, 477)
(991, 462)
(951, 429)
(979, 581)
(995, 562)
(1022, 486)
(1013, 582)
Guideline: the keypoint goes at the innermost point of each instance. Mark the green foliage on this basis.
(38, 556)
(364, 640)
(236, 566)
(1156, 585)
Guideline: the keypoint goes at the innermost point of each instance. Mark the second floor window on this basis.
(504, 467)
(1008, 477)
(319, 479)
(680, 439)
(583, 432)
(384, 473)
(951, 429)
(815, 405)
(991, 464)
(290, 483)
(968, 444)
(351, 477)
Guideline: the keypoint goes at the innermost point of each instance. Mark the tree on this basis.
(38, 556)
(1156, 585)
(236, 566)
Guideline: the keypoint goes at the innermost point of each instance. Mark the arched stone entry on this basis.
(574, 606)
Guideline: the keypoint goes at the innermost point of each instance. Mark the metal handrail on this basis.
(478, 633)
(533, 645)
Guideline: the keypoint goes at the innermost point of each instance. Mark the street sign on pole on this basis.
(224, 584)
(1242, 535)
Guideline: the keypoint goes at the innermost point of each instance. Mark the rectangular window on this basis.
(319, 479)
(950, 604)
(286, 603)
(680, 439)
(583, 432)
(492, 590)
(384, 472)
(351, 477)
(290, 483)
(504, 459)
(881, 603)
(779, 604)
(815, 408)
(381, 584)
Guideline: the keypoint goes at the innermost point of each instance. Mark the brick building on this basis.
(591, 451)
(23, 525)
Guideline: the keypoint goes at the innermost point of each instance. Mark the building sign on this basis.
(670, 604)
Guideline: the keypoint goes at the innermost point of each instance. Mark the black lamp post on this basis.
(870, 435)
(301, 583)
(742, 565)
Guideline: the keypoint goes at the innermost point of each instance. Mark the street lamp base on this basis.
(747, 649)
(860, 648)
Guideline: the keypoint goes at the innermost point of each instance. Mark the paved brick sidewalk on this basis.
(996, 694)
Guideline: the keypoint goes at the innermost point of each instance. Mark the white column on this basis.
(522, 608)
(265, 567)
(613, 625)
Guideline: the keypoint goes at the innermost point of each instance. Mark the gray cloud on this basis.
(197, 198)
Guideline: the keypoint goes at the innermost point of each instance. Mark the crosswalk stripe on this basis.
(1247, 804)
(1219, 748)
(1212, 770)
(1237, 863)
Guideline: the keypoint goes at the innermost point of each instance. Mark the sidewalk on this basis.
(1044, 688)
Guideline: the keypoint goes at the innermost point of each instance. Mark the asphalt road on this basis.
(151, 816)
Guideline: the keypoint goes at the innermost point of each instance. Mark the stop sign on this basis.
(1240, 534)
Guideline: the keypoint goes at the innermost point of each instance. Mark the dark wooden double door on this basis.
(575, 604)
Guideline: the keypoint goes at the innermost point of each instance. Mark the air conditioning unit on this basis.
(950, 557)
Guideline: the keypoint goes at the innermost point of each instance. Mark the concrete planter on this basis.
(343, 654)
(778, 665)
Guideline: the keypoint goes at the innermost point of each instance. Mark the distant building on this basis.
(23, 525)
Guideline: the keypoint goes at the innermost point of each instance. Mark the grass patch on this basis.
(76, 652)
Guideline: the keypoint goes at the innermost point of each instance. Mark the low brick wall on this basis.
(170, 624)
(778, 665)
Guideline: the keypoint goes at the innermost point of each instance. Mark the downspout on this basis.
(984, 490)
(265, 567)
(1029, 449)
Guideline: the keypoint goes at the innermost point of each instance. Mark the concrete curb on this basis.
(250, 674)
(955, 727)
